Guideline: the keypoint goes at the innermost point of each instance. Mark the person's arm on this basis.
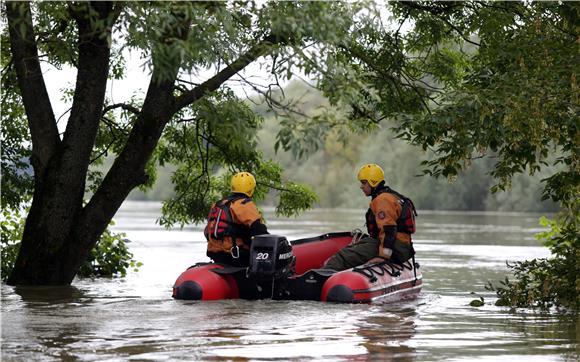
(386, 210)
(247, 214)
(258, 228)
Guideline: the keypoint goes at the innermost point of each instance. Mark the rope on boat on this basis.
(415, 265)
(394, 270)
(414, 270)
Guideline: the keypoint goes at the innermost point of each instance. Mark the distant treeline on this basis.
(331, 171)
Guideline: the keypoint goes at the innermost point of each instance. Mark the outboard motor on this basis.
(271, 258)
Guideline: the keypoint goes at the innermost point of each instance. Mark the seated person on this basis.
(232, 222)
(390, 221)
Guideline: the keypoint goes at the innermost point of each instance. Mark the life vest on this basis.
(220, 222)
(405, 222)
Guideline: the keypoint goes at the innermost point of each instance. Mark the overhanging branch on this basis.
(217, 80)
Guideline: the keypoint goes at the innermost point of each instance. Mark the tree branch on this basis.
(124, 106)
(273, 103)
(94, 23)
(216, 81)
(41, 120)
(272, 187)
(439, 10)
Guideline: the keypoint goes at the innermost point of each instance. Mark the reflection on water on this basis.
(135, 318)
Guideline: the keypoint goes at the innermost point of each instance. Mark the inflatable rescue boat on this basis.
(279, 269)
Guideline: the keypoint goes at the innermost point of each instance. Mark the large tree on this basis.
(187, 117)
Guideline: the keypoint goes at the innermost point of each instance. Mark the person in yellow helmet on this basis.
(232, 222)
(390, 221)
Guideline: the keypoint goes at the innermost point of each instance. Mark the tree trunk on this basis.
(60, 166)
(60, 232)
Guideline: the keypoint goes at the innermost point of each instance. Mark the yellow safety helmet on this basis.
(372, 173)
(244, 183)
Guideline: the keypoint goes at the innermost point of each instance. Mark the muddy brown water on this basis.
(135, 318)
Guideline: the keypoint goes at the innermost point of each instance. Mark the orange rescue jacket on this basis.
(243, 213)
(386, 210)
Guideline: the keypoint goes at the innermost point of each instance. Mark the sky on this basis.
(136, 81)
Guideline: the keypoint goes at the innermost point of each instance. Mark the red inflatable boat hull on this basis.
(204, 284)
(381, 283)
(374, 283)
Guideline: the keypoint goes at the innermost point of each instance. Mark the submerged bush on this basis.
(110, 257)
(11, 232)
(549, 282)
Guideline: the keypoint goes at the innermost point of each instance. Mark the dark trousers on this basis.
(354, 254)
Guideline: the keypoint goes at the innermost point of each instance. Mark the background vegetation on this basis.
(330, 171)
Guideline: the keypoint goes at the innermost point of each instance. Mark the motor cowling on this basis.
(271, 257)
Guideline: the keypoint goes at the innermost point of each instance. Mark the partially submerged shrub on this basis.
(549, 282)
(110, 257)
(11, 232)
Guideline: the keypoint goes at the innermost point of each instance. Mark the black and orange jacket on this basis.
(245, 220)
(384, 211)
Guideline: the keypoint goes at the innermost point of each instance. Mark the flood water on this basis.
(135, 318)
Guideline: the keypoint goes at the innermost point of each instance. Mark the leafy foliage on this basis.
(17, 181)
(216, 136)
(546, 283)
(300, 197)
(514, 97)
(542, 283)
(517, 101)
(215, 37)
(10, 233)
(110, 257)
(222, 131)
